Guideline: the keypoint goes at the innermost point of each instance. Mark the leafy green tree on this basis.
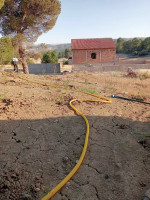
(6, 50)
(68, 53)
(1, 3)
(127, 47)
(143, 53)
(50, 57)
(119, 45)
(29, 19)
(145, 44)
(136, 44)
(61, 54)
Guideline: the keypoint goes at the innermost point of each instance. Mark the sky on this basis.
(99, 19)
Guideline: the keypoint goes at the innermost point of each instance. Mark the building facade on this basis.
(86, 51)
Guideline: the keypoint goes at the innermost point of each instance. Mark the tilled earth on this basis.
(41, 138)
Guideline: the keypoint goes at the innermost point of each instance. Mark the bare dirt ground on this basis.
(125, 58)
(41, 138)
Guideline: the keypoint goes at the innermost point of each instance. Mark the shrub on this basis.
(135, 53)
(143, 53)
(50, 57)
(65, 62)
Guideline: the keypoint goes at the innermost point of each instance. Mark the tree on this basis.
(29, 19)
(127, 47)
(143, 53)
(136, 44)
(50, 57)
(1, 3)
(68, 53)
(16, 40)
(6, 50)
(119, 45)
(61, 54)
(145, 45)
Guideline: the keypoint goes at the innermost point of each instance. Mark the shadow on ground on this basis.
(37, 154)
(12, 70)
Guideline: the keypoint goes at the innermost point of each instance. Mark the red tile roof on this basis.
(98, 43)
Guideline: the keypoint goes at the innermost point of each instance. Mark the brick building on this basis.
(100, 50)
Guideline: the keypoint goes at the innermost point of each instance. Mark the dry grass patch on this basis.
(143, 73)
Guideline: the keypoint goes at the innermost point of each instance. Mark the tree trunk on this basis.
(22, 54)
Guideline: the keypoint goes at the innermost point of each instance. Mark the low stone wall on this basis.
(43, 69)
(105, 68)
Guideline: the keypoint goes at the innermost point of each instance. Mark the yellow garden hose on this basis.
(69, 176)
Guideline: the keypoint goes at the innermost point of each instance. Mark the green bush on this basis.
(135, 53)
(65, 62)
(6, 50)
(50, 57)
(143, 53)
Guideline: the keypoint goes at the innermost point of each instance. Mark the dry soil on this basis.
(41, 138)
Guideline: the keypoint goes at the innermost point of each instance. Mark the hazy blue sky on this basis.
(100, 18)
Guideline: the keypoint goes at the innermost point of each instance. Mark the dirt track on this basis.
(41, 138)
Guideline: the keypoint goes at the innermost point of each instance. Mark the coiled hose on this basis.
(74, 170)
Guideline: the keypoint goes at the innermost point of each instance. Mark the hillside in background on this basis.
(126, 39)
(50, 47)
